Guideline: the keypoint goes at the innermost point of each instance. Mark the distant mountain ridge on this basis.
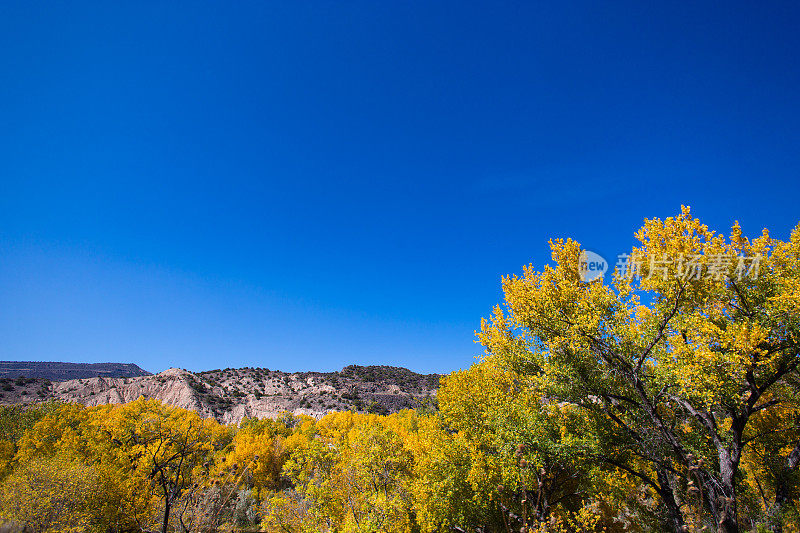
(232, 394)
(57, 371)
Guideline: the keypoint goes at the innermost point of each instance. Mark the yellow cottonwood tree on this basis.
(524, 466)
(65, 476)
(353, 472)
(671, 362)
(55, 493)
(164, 445)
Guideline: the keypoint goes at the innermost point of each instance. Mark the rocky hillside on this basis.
(55, 371)
(232, 394)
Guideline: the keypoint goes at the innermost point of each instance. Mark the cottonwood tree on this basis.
(676, 363)
(165, 445)
(521, 448)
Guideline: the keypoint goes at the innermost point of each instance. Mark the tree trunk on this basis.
(674, 514)
(165, 525)
(727, 520)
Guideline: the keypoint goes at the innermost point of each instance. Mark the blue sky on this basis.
(306, 185)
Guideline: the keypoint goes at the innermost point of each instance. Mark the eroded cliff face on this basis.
(171, 386)
(233, 394)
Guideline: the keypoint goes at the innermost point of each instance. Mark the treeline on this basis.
(496, 457)
(147, 466)
(665, 400)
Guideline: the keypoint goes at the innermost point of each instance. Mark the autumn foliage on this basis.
(663, 398)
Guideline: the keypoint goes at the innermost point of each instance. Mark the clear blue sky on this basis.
(306, 185)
